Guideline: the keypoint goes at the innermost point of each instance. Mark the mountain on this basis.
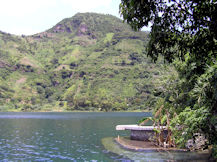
(87, 62)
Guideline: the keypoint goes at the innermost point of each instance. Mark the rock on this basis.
(199, 142)
(190, 144)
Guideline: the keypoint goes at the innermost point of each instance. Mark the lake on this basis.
(70, 136)
(60, 136)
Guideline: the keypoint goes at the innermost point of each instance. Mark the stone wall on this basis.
(145, 135)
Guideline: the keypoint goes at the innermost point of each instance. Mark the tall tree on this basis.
(184, 32)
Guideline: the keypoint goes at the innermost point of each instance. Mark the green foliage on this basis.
(191, 122)
(178, 27)
(86, 62)
(184, 33)
(144, 119)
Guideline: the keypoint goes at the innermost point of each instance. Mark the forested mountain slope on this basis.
(86, 62)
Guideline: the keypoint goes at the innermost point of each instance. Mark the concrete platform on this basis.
(142, 133)
(137, 127)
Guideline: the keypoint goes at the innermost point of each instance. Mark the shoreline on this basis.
(56, 110)
(152, 152)
(134, 145)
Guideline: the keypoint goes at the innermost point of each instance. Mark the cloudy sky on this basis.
(34, 16)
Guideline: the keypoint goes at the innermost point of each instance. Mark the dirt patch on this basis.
(27, 61)
(21, 80)
(82, 30)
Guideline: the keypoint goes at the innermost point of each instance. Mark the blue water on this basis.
(61, 136)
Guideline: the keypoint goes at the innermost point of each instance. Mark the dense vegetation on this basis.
(185, 33)
(86, 62)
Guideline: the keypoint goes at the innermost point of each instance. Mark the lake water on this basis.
(70, 137)
(60, 136)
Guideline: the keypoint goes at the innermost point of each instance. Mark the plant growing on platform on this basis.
(161, 118)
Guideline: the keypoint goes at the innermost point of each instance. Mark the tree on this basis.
(176, 24)
(184, 32)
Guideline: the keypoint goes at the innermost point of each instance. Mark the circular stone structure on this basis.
(142, 145)
(144, 151)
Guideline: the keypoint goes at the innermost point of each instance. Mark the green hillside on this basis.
(86, 62)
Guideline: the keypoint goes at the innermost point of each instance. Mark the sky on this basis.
(33, 16)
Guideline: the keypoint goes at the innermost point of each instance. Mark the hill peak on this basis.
(91, 24)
